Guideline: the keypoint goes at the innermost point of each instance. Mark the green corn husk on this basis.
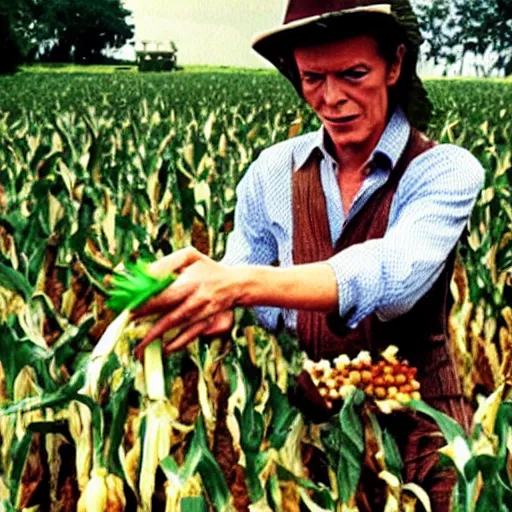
(135, 286)
(131, 289)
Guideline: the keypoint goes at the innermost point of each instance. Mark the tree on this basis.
(455, 28)
(79, 30)
(8, 46)
(13, 14)
(436, 24)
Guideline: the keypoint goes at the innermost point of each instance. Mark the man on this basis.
(347, 234)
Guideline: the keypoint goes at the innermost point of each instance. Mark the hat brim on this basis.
(382, 8)
(268, 43)
(277, 47)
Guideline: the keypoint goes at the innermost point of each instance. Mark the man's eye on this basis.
(355, 74)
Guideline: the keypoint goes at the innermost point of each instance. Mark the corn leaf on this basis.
(491, 497)
(199, 459)
(322, 495)
(97, 423)
(386, 447)
(15, 354)
(57, 399)
(351, 449)
(392, 455)
(67, 348)
(15, 281)
(193, 504)
(211, 474)
(118, 411)
(448, 426)
(283, 416)
(8, 507)
(19, 454)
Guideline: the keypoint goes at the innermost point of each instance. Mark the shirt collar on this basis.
(391, 144)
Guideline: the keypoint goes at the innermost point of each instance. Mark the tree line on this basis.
(76, 31)
(457, 31)
(80, 31)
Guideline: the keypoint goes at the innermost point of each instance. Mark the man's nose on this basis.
(333, 91)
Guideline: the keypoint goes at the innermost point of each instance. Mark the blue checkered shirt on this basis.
(385, 276)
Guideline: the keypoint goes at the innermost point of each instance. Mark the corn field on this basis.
(98, 172)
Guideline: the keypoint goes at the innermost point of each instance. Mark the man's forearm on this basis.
(311, 287)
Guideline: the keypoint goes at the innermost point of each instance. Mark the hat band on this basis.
(296, 13)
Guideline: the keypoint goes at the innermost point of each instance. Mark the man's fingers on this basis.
(216, 324)
(157, 331)
(188, 335)
(222, 322)
(171, 296)
(174, 262)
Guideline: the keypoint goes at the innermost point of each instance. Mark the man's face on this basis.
(346, 83)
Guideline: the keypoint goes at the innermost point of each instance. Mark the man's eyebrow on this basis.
(313, 71)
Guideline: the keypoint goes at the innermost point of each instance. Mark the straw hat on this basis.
(308, 21)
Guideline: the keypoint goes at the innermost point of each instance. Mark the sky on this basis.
(216, 32)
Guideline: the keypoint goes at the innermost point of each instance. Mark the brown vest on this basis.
(421, 333)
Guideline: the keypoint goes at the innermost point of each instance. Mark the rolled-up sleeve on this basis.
(433, 202)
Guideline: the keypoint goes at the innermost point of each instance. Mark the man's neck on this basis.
(351, 158)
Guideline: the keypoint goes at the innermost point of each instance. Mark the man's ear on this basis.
(396, 67)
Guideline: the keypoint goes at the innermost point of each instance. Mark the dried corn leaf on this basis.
(486, 370)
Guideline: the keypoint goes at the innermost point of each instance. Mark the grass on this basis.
(80, 68)
(76, 68)
(196, 68)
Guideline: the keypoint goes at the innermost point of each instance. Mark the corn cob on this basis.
(130, 290)
(388, 379)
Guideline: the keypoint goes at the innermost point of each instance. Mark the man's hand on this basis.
(198, 302)
(216, 324)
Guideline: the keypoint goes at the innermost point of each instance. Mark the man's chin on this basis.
(349, 139)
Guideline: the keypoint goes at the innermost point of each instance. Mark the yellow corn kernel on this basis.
(366, 376)
(403, 398)
(392, 392)
(333, 394)
(354, 377)
(380, 392)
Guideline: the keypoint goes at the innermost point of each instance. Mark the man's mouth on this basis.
(341, 120)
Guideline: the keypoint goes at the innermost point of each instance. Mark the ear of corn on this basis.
(154, 371)
(130, 290)
(101, 353)
(390, 382)
(156, 446)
